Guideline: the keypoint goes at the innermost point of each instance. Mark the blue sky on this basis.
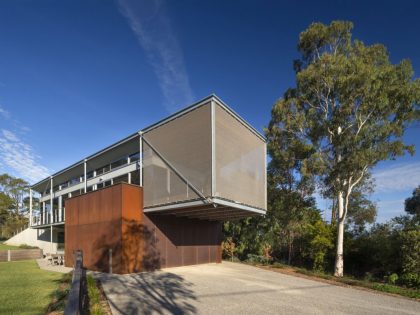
(76, 76)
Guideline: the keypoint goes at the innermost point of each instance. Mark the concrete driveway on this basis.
(230, 288)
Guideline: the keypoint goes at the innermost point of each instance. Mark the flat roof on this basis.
(157, 124)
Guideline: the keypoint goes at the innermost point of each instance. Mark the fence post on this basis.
(110, 260)
(8, 255)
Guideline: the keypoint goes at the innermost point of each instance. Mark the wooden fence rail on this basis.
(78, 298)
(20, 254)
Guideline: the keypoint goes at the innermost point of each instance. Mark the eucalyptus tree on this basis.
(350, 108)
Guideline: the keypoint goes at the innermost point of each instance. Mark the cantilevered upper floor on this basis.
(204, 162)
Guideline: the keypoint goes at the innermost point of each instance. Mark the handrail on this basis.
(77, 294)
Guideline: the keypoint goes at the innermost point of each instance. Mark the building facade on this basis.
(203, 163)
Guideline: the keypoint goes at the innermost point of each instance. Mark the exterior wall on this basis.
(113, 219)
(36, 237)
(173, 241)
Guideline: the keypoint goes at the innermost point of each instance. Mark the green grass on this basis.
(95, 307)
(6, 247)
(378, 286)
(26, 289)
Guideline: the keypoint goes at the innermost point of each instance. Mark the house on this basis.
(158, 197)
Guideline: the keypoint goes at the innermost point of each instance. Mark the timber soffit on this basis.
(157, 124)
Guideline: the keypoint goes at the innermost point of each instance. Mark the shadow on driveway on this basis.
(148, 293)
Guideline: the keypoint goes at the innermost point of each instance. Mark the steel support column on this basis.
(141, 158)
(51, 201)
(85, 175)
(30, 208)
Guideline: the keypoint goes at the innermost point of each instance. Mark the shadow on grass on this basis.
(59, 296)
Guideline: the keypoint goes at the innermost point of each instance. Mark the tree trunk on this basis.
(339, 259)
(289, 259)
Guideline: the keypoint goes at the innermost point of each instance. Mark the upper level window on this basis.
(119, 162)
(134, 157)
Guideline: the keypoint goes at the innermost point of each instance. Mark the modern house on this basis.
(158, 197)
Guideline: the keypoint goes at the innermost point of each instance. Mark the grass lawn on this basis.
(26, 289)
(6, 247)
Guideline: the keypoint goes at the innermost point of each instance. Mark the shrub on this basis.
(392, 279)
(411, 279)
(257, 259)
(228, 248)
(25, 246)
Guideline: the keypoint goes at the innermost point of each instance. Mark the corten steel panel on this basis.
(97, 225)
(182, 241)
(112, 218)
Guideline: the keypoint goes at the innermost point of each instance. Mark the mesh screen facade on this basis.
(239, 161)
(184, 142)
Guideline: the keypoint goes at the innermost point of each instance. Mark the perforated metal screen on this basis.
(240, 161)
(184, 142)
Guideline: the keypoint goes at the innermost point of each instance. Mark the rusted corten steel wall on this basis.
(104, 220)
(173, 241)
(113, 218)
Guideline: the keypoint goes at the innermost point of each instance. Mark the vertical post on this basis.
(85, 176)
(213, 148)
(43, 221)
(51, 239)
(30, 207)
(129, 174)
(51, 201)
(110, 260)
(8, 255)
(60, 208)
(141, 158)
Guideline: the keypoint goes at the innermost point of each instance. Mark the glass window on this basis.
(119, 162)
(120, 179)
(134, 157)
(102, 169)
(135, 177)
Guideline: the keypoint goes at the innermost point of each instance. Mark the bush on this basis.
(257, 259)
(25, 246)
(392, 279)
(411, 280)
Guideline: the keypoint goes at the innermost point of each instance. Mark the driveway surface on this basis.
(230, 288)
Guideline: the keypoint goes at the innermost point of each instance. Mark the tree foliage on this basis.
(348, 111)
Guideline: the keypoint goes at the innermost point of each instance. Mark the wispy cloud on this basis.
(151, 25)
(16, 156)
(4, 113)
(398, 178)
(20, 157)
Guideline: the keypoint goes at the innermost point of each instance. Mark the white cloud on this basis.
(152, 27)
(4, 113)
(399, 178)
(20, 157)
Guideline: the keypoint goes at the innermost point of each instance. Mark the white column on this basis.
(30, 207)
(60, 208)
(85, 176)
(43, 213)
(141, 158)
(51, 201)
(51, 239)
(129, 174)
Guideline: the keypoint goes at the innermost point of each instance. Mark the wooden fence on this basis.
(20, 254)
(78, 298)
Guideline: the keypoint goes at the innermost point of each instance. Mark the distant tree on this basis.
(412, 204)
(349, 109)
(16, 189)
